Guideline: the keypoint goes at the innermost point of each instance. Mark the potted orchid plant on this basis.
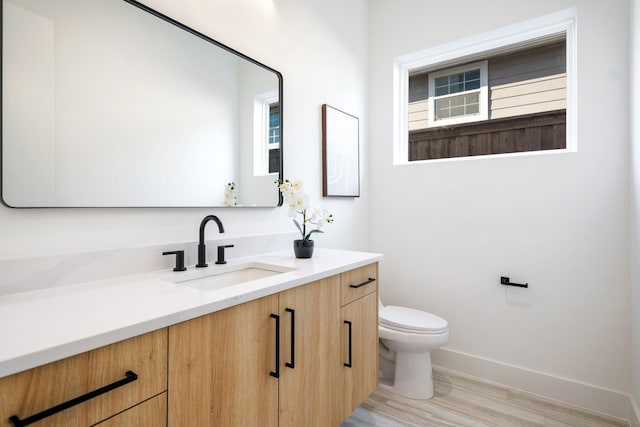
(312, 219)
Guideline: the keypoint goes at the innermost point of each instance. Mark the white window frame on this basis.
(475, 47)
(261, 145)
(483, 91)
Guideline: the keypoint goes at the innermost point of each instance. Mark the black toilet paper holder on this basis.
(505, 281)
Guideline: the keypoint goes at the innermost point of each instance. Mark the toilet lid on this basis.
(410, 320)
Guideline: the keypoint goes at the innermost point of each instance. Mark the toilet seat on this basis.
(404, 319)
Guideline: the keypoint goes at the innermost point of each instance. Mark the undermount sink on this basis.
(218, 277)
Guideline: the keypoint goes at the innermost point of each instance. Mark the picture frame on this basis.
(340, 153)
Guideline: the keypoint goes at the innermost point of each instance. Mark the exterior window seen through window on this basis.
(457, 105)
(458, 95)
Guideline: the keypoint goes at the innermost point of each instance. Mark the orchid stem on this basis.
(304, 224)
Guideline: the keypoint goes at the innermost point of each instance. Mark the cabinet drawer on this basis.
(358, 282)
(150, 413)
(31, 392)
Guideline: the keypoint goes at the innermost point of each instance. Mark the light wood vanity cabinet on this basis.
(28, 393)
(224, 370)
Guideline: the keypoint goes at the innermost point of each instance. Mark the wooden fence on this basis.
(532, 132)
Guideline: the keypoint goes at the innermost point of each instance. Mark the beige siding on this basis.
(528, 82)
(418, 115)
(530, 109)
(528, 99)
(529, 96)
(543, 84)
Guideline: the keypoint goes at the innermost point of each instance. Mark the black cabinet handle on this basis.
(369, 280)
(276, 374)
(293, 338)
(17, 422)
(348, 364)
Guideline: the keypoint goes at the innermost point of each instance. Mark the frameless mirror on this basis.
(107, 103)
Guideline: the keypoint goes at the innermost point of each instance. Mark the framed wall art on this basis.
(340, 153)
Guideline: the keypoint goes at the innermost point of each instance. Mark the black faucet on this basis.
(202, 249)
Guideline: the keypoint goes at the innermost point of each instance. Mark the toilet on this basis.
(407, 337)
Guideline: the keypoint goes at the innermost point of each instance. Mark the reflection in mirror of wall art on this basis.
(340, 153)
(107, 103)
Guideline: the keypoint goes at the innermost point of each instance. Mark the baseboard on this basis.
(587, 396)
(634, 413)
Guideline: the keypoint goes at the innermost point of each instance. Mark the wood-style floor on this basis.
(461, 401)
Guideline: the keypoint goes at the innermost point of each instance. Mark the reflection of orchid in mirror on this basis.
(230, 198)
(298, 203)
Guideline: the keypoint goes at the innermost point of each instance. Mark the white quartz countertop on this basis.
(43, 326)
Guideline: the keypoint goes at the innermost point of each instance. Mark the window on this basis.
(506, 92)
(458, 95)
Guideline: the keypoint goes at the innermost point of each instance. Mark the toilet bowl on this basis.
(407, 337)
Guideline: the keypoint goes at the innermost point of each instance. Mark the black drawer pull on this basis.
(276, 373)
(292, 364)
(17, 422)
(348, 364)
(371, 279)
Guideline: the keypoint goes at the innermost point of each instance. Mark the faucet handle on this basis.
(221, 259)
(179, 259)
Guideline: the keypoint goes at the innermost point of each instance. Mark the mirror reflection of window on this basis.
(266, 133)
(273, 141)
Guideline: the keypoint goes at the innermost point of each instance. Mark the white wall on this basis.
(449, 230)
(321, 50)
(635, 200)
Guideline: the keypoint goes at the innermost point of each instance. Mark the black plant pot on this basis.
(303, 248)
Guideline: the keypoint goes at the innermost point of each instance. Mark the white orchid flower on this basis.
(316, 215)
(298, 203)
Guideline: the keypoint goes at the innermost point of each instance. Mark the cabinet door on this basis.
(308, 389)
(359, 370)
(150, 413)
(31, 392)
(219, 368)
